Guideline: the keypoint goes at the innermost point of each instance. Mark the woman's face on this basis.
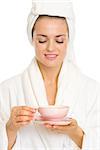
(50, 39)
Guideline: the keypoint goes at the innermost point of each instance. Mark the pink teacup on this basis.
(52, 112)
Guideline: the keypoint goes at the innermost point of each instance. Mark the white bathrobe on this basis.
(75, 90)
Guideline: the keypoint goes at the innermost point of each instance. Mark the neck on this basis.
(50, 75)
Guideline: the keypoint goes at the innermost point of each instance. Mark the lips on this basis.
(51, 56)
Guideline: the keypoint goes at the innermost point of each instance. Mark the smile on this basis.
(50, 56)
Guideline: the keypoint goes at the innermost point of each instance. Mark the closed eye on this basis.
(42, 41)
(60, 42)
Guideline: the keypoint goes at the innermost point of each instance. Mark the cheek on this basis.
(63, 49)
(40, 47)
(39, 50)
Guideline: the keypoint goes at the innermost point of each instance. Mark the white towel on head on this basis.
(60, 8)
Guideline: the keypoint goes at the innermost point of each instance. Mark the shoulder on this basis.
(14, 80)
(10, 82)
(85, 82)
(90, 82)
(88, 90)
(10, 85)
(91, 89)
(85, 78)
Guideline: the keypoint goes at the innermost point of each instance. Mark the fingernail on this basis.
(47, 126)
(34, 110)
(54, 126)
(34, 118)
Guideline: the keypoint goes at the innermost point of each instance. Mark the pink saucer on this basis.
(64, 121)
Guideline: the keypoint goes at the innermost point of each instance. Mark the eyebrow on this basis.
(55, 36)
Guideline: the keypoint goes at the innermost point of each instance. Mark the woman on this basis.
(51, 79)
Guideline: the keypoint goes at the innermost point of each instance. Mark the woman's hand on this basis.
(71, 129)
(20, 116)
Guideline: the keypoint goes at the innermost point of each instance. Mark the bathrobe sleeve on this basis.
(4, 139)
(89, 118)
(5, 108)
(92, 125)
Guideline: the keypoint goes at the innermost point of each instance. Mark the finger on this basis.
(23, 118)
(48, 125)
(24, 108)
(28, 108)
(16, 110)
(60, 128)
(23, 123)
(24, 113)
(19, 110)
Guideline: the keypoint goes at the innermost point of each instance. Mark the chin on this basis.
(51, 64)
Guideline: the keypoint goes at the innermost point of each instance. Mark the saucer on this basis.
(64, 121)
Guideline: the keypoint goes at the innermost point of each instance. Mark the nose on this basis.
(50, 46)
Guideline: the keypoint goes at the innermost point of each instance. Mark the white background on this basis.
(16, 52)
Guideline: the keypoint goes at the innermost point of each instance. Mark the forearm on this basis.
(77, 136)
(11, 138)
